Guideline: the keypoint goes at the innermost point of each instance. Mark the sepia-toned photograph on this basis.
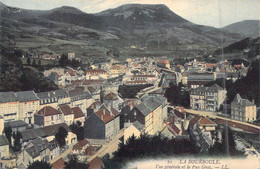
(129, 84)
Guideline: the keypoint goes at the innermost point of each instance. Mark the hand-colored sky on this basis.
(217, 13)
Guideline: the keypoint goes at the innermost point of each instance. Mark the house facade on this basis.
(151, 113)
(103, 124)
(29, 104)
(243, 109)
(48, 116)
(207, 98)
(9, 106)
(96, 74)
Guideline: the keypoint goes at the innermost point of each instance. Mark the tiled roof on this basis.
(95, 105)
(90, 151)
(110, 96)
(211, 65)
(59, 164)
(94, 81)
(90, 71)
(163, 61)
(80, 144)
(6, 97)
(143, 76)
(48, 111)
(77, 112)
(104, 115)
(206, 122)
(96, 163)
(194, 120)
(65, 109)
(25, 96)
(173, 128)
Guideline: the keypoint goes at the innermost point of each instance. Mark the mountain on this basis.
(248, 28)
(248, 47)
(129, 29)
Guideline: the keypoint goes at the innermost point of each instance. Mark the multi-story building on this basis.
(79, 98)
(29, 104)
(37, 149)
(96, 74)
(243, 109)
(9, 106)
(48, 116)
(198, 79)
(207, 98)
(103, 124)
(67, 114)
(139, 79)
(151, 113)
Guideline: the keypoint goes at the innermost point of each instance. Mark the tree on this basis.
(63, 62)
(34, 63)
(17, 141)
(8, 134)
(75, 163)
(61, 136)
(28, 61)
(39, 165)
(173, 94)
(39, 62)
(78, 130)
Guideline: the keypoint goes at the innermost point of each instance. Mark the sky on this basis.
(216, 13)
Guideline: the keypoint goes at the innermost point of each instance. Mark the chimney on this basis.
(253, 101)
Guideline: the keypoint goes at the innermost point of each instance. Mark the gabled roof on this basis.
(77, 112)
(110, 96)
(93, 81)
(80, 144)
(65, 109)
(138, 125)
(33, 152)
(179, 114)
(95, 105)
(90, 150)
(104, 115)
(194, 120)
(148, 105)
(89, 71)
(6, 97)
(59, 164)
(48, 111)
(174, 129)
(204, 121)
(26, 96)
(110, 110)
(239, 100)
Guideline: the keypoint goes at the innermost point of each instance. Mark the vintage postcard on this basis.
(129, 84)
